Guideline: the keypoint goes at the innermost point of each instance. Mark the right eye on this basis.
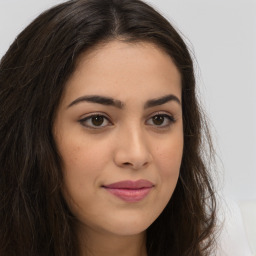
(95, 121)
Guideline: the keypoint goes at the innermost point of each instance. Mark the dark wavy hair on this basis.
(34, 217)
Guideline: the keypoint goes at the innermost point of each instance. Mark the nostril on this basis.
(134, 166)
(127, 163)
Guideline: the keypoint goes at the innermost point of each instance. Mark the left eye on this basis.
(95, 121)
(161, 120)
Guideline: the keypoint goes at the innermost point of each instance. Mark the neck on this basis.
(94, 243)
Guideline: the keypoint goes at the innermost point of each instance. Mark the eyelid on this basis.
(170, 117)
(167, 113)
(94, 114)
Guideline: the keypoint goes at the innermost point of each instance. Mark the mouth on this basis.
(130, 191)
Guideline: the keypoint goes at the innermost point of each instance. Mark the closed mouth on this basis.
(130, 191)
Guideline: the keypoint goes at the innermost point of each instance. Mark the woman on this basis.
(101, 137)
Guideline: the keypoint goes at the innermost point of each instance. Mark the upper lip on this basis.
(129, 184)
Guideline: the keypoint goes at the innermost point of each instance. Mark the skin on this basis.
(125, 144)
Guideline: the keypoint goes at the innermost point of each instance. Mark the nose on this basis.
(132, 150)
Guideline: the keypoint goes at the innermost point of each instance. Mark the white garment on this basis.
(235, 239)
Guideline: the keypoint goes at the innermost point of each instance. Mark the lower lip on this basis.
(129, 195)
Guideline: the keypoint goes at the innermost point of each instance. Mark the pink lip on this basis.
(130, 191)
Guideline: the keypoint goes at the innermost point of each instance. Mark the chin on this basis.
(129, 225)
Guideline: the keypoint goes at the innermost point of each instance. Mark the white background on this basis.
(222, 34)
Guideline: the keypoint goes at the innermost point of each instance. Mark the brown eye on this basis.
(158, 120)
(161, 120)
(95, 121)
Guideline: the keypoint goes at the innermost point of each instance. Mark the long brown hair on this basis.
(34, 218)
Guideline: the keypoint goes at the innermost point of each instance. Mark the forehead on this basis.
(128, 54)
(122, 69)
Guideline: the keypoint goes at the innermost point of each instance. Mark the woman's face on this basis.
(119, 132)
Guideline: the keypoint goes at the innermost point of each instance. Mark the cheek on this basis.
(169, 156)
(83, 157)
(81, 167)
(168, 160)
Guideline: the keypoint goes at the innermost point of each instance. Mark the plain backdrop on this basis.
(222, 36)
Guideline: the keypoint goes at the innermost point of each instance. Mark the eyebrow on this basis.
(98, 99)
(161, 101)
(107, 101)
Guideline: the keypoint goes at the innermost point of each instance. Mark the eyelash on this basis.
(167, 118)
(89, 118)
